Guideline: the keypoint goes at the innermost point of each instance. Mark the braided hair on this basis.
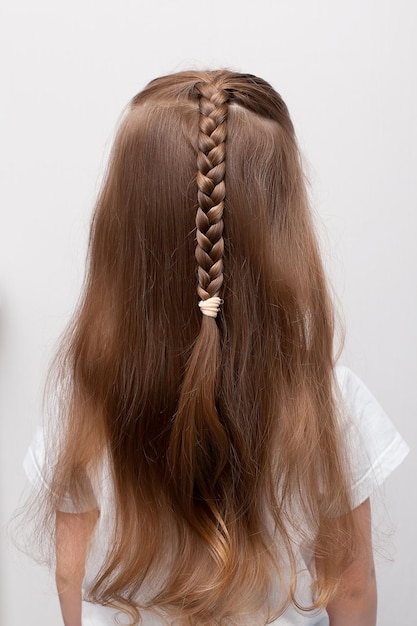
(211, 168)
(199, 445)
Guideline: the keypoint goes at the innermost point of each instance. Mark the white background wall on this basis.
(347, 72)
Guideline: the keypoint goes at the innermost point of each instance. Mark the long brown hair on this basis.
(221, 433)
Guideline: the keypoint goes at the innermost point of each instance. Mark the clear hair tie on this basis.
(211, 306)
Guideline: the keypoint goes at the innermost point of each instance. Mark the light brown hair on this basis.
(221, 434)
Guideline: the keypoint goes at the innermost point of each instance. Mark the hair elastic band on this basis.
(211, 306)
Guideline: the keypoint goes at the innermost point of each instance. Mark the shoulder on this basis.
(40, 464)
(374, 445)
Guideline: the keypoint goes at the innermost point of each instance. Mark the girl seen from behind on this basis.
(209, 463)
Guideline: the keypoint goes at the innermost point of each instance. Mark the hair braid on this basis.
(211, 188)
(199, 447)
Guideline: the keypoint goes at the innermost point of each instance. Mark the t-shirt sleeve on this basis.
(39, 475)
(374, 445)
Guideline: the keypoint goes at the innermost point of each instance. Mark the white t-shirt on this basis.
(375, 447)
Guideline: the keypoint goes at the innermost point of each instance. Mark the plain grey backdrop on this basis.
(347, 72)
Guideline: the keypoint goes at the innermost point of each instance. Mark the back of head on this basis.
(219, 421)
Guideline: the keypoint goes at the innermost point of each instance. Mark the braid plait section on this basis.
(211, 188)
